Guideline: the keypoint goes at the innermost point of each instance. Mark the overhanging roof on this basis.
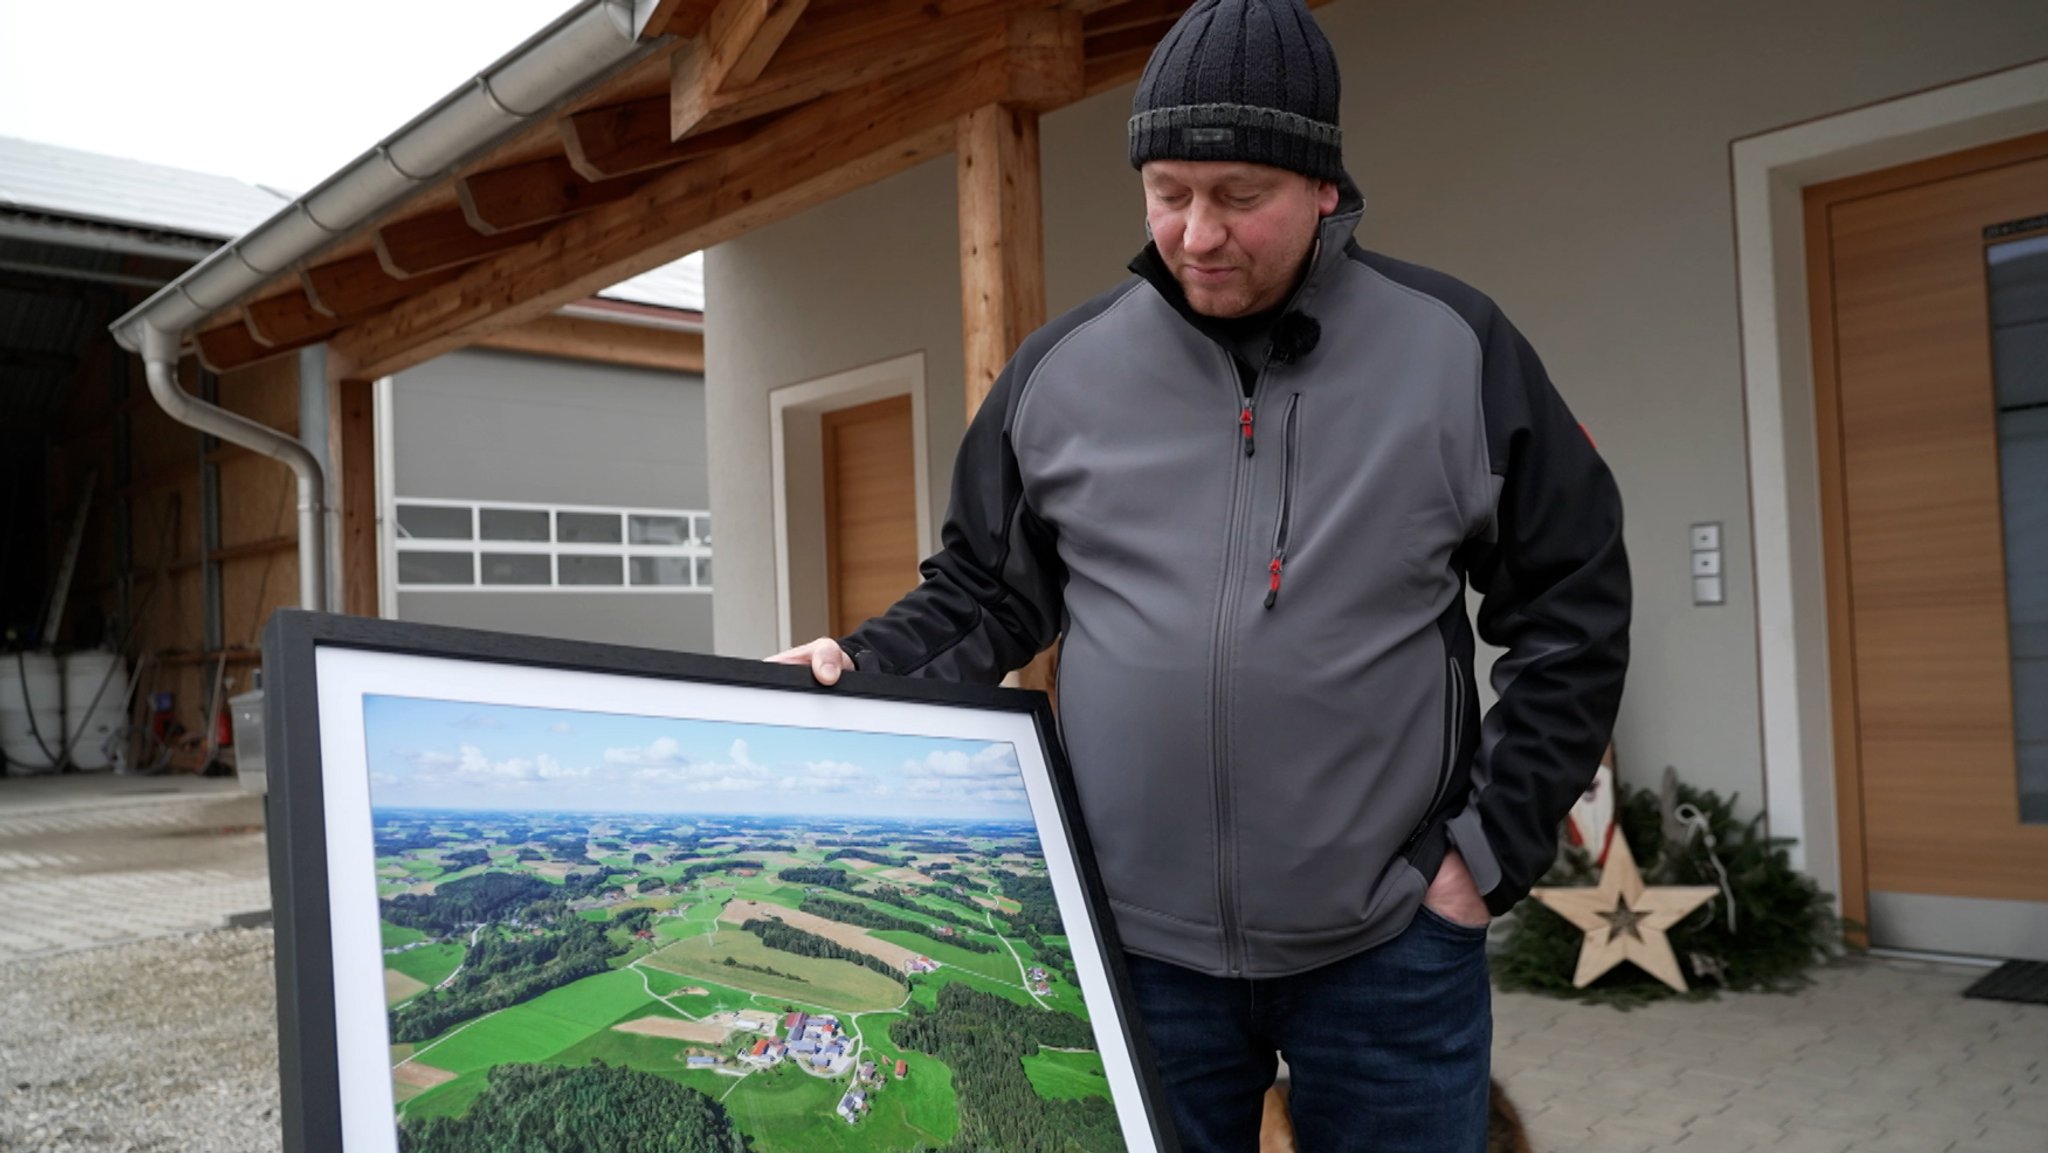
(48, 181)
(726, 115)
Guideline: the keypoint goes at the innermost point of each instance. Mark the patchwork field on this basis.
(804, 980)
(428, 964)
(676, 1029)
(851, 936)
(399, 987)
(1058, 1074)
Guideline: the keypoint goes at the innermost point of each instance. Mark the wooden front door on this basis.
(1931, 336)
(870, 509)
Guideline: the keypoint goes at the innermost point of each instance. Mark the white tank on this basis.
(30, 688)
(97, 728)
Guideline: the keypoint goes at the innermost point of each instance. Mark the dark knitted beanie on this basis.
(1244, 80)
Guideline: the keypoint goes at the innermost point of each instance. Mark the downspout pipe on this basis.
(160, 364)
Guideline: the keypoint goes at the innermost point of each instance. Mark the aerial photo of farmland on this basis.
(607, 932)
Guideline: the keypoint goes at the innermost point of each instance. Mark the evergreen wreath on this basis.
(1784, 924)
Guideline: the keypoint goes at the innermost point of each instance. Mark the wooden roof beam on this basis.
(679, 18)
(740, 40)
(622, 139)
(812, 155)
(227, 347)
(537, 191)
(436, 240)
(837, 50)
(603, 341)
(289, 319)
(356, 286)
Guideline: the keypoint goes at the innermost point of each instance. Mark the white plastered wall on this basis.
(1571, 160)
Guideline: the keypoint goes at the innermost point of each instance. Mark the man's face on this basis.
(1234, 235)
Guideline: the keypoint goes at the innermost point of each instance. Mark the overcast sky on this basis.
(277, 92)
(451, 754)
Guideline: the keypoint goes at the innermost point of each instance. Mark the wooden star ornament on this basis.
(1624, 920)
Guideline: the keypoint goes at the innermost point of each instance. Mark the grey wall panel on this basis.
(498, 426)
(676, 621)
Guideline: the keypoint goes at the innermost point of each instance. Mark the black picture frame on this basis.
(312, 819)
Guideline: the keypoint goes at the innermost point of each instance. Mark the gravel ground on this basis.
(161, 1045)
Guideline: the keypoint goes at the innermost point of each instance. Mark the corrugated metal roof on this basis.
(679, 284)
(45, 178)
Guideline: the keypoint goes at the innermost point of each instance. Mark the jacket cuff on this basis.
(1468, 836)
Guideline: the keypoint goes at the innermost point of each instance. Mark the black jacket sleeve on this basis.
(1555, 585)
(990, 599)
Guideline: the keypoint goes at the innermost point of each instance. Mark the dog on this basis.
(1504, 1132)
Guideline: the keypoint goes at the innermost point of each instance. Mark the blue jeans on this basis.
(1387, 1051)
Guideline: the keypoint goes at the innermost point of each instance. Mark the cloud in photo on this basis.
(660, 751)
(987, 776)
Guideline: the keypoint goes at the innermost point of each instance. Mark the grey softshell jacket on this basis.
(1266, 683)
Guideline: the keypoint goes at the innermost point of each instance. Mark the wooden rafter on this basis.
(622, 139)
(605, 341)
(503, 199)
(437, 240)
(679, 18)
(356, 285)
(288, 319)
(226, 347)
(835, 51)
(740, 40)
(804, 158)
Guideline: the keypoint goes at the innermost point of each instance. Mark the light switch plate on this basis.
(1706, 563)
(1706, 536)
(1706, 590)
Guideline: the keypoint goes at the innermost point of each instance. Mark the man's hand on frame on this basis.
(824, 656)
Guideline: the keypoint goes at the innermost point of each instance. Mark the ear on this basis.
(1326, 197)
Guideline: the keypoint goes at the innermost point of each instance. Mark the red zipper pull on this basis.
(1273, 584)
(1244, 424)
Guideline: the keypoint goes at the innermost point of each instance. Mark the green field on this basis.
(791, 1112)
(428, 964)
(394, 935)
(839, 985)
(1058, 1075)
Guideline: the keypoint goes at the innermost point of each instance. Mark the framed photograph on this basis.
(536, 894)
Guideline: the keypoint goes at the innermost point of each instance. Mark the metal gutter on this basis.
(590, 41)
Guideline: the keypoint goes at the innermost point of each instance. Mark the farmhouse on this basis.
(853, 1105)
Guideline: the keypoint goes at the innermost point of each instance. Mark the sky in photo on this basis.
(452, 754)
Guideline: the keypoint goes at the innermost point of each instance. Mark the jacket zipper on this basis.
(1219, 673)
(1219, 689)
(1289, 467)
(1454, 728)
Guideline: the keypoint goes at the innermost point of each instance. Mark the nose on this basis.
(1204, 231)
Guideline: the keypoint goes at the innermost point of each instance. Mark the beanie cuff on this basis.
(1242, 133)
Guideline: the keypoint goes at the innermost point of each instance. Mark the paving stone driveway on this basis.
(1879, 1056)
(90, 860)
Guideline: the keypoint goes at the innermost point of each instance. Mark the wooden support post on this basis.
(1002, 240)
(1002, 259)
(352, 491)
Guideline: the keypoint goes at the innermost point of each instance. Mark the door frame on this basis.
(793, 423)
(1769, 174)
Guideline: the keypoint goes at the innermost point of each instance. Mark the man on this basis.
(1246, 489)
